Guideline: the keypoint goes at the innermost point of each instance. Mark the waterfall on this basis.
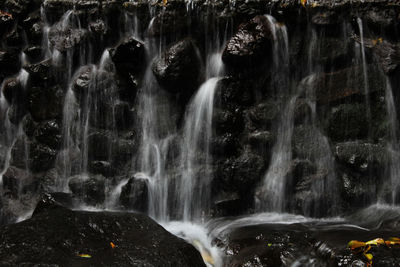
(393, 146)
(195, 158)
(157, 132)
(273, 188)
(365, 74)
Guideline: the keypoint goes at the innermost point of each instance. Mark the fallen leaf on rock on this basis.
(112, 245)
(84, 255)
(3, 13)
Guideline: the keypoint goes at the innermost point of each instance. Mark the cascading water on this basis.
(195, 156)
(169, 158)
(393, 147)
(273, 188)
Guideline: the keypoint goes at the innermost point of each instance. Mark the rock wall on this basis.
(337, 117)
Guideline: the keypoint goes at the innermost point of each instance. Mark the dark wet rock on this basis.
(15, 38)
(169, 23)
(20, 7)
(333, 53)
(16, 112)
(99, 144)
(388, 55)
(49, 180)
(226, 121)
(41, 157)
(40, 72)
(35, 32)
(303, 245)
(303, 148)
(348, 122)
(19, 153)
(241, 174)
(260, 139)
(360, 156)
(28, 125)
(18, 181)
(325, 17)
(6, 22)
(336, 86)
(128, 55)
(123, 116)
(34, 53)
(261, 116)
(250, 45)
(139, 240)
(45, 103)
(82, 82)
(98, 27)
(13, 91)
(9, 62)
(381, 18)
(102, 145)
(123, 151)
(63, 40)
(178, 68)
(89, 189)
(49, 201)
(232, 92)
(225, 145)
(228, 204)
(49, 133)
(102, 167)
(134, 195)
(307, 198)
(358, 190)
(127, 88)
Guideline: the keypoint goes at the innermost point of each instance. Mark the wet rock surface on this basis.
(138, 240)
(82, 111)
(308, 244)
(178, 68)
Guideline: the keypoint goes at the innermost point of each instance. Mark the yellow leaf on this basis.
(368, 256)
(84, 255)
(269, 244)
(303, 2)
(112, 245)
(165, 2)
(376, 242)
(353, 244)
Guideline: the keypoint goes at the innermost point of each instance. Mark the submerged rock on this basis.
(138, 240)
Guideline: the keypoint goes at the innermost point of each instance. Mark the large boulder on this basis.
(178, 68)
(250, 45)
(9, 62)
(134, 194)
(361, 156)
(348, 122)
(128, 55)
(303, 244)
(45, 103)
(49, 133)
(41, 157)
(345, 83)
(78, 238)
(18, 181)
(90, 189)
